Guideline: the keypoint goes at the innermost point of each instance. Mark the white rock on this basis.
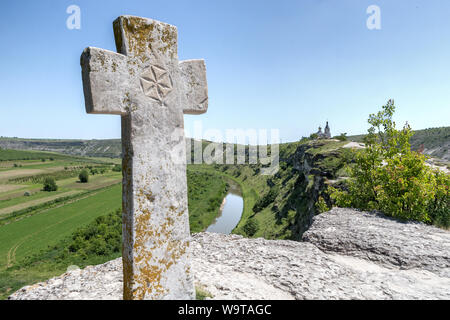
(364, 256)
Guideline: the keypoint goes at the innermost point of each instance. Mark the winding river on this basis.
(231, 211)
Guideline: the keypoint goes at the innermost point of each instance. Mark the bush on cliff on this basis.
(251, 227)
(266, 200)
(389, 177)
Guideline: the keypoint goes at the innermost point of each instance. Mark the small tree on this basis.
(50, 184)
(84, 176)
(389, 177)
(251, 227)
(265, 201)
(341, 137)
(117, 168)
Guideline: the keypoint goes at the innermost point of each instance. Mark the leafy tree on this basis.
(84, 176)
(341, 137)
(268, 198)
(50, 184)
(251, 227)
(389, 177)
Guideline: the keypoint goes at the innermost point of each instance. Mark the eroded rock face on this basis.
(346, 255)
(377, 238)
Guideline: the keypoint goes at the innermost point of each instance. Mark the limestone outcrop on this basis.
(346, 254)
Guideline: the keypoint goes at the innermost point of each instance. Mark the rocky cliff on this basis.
(346, 254)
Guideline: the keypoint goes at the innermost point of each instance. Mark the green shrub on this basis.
(341, 137)
(50, 185)
(117, 168)
(268, 198)
(201, 294)
(250, 227)
(321, 205)
(84, 176)
(100, 238)
(389, 177)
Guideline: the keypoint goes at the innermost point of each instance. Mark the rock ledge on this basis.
(346, 254)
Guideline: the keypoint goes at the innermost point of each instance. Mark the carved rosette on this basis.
(156, 83)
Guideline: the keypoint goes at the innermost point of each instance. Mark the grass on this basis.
(206, 191)
(248, 188)
(23, 237)
(38, 246)
(201, 294)
(11, 206)
(9, 155)
(288, 214)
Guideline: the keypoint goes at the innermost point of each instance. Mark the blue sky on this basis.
(288, 65)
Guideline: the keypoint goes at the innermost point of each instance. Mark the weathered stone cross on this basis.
(147, 85)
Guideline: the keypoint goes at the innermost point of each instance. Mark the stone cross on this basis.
(146, 84)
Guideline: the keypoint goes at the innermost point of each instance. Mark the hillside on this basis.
(110, 148)
(281, 206)
(436, 141)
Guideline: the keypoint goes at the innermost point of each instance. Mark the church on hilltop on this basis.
(324, 135)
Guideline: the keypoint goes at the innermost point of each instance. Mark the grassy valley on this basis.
(42, 233)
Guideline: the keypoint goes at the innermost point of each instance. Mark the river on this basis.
(231, 211)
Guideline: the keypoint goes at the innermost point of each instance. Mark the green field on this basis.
(27, 236)
(39, 227)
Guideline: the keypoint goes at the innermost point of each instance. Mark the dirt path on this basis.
(36, 202)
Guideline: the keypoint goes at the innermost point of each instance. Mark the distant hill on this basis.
(436, 141)
(110, 148)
